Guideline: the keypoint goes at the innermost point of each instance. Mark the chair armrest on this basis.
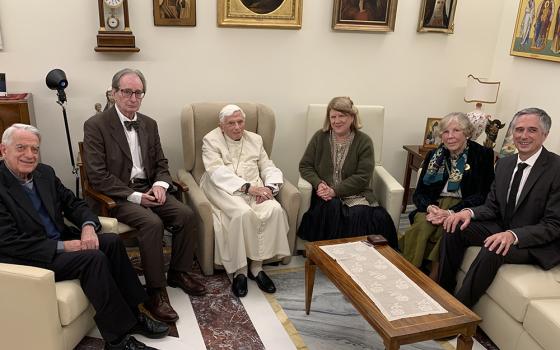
(108, 224)
(181, 186)
(106, 202)
(290, 199)
(197, 200)
(28, 302)
(306, 190)
(388, 192)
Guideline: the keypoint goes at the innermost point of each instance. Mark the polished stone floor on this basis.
(220, 321)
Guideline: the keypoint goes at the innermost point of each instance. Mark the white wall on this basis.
(413, 75)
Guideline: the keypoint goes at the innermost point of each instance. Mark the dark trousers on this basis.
(483, 269)
(150, 223)
(108, 281)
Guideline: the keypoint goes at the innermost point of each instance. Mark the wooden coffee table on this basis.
(459, 320)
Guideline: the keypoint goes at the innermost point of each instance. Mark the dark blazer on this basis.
(316, 165)
(536, 219)
(22, 234)
(107, 155)
(475, 183)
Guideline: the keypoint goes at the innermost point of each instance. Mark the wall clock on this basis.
(114, 33)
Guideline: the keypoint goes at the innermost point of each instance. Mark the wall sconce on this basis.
(480, 91)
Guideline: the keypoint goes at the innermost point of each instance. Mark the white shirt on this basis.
(137, 171)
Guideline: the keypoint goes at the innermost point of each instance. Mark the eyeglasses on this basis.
(128, 93)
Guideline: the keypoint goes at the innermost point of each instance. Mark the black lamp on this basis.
(56, 80)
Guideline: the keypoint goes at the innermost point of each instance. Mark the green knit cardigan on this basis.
(316, 165)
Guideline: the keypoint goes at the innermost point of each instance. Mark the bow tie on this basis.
(131, 124)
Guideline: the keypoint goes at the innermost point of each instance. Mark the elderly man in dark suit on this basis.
(33, 204)
(520, 221)
(124, 160)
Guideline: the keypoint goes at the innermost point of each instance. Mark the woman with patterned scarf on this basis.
(454, 176)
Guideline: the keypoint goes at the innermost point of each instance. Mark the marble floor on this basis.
(219, 320)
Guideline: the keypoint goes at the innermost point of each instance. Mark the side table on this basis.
(414, 161)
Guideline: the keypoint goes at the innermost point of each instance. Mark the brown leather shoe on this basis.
(186, 282)
(160, 308)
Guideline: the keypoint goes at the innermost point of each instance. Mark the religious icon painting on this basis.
(537, 30)
(175, 13)
(437, 16)
(364, 15)
(282, 14)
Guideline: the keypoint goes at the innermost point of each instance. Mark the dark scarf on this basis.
(441, 160)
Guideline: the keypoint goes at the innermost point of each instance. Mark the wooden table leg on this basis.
(309, 281)
(407, 175)
(464, 342)
(391, 344)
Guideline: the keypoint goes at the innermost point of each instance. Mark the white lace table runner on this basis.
(390, 289)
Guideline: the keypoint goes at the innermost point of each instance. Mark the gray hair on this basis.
(461, 119)
(9, 132)
(118, 75)
(229, 110)
(544, 118)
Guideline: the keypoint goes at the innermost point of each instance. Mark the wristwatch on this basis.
(245, 187)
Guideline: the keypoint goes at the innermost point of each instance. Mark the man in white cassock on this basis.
(240, 182)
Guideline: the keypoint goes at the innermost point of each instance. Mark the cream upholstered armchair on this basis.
(37, 313)
(387, 190)
(196, 121)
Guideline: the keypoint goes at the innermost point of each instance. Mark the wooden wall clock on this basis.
(114, 33)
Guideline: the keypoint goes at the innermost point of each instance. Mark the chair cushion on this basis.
(71, 301)
(516, 285)
(543, 322)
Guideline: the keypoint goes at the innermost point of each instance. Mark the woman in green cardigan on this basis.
(338, 163)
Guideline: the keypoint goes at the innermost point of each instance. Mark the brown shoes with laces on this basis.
(160, 308)
(186, 282)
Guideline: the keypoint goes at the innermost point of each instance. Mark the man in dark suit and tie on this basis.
(33, 204)
(520, 221)
(124, 160)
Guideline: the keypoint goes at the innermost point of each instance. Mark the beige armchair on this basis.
(196, 121)
(387, 190)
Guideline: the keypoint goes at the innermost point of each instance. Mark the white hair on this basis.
(229, 110)
(8, 133)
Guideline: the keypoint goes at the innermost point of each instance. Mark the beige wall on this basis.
(413, 75)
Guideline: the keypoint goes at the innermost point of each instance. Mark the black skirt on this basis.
(332, 219)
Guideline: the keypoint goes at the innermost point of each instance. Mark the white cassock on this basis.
(242, 228)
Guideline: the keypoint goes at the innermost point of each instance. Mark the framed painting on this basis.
(432, 138)
(283, 14)
(437, 16)
(364, 15)
(537, 30)
(175, 12)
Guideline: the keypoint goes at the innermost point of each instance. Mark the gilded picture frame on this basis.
(432, 138)
(437, 16)
(175, 13)
(278, 14)
(537, 30)
(364, 15)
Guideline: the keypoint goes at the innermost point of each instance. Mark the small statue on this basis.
(492, 129)
(110, 102)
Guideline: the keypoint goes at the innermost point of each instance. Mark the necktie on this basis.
(131, 124)
(510, 206)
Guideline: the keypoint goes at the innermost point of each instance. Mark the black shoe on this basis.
(263, 281)
(148, 326)
(128, 343)
(239, 285)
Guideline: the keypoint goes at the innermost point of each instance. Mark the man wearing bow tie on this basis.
(124, 160)
(520, 221)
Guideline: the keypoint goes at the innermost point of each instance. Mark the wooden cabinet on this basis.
(16, 108)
